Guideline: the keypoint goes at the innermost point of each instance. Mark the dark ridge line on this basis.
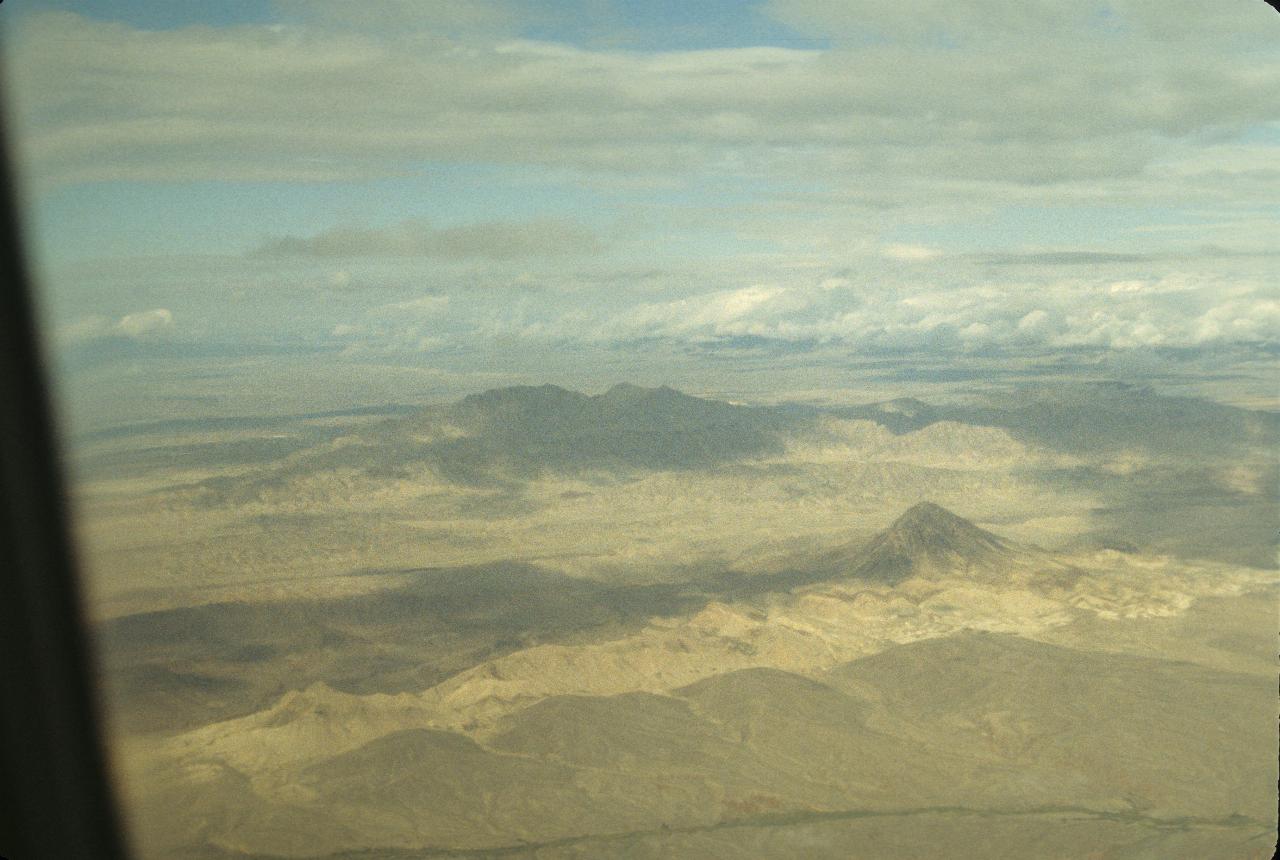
(786, 819)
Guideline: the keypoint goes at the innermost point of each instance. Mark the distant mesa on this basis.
(547, 393)
(546, 416)
(626, 392)
(544, 396)
(552, 401)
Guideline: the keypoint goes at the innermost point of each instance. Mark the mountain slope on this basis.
(626, 427)
(925, 540)
(979, 724)
(929, 538)
(1078, 727)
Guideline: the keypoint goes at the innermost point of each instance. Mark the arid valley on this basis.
(694, 628)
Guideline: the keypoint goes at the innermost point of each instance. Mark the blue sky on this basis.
(643, 25)
(417, 185)
(158, 14)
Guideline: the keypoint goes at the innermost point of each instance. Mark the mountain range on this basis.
(184, 666)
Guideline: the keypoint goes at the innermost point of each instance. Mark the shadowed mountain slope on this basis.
(925, 539)
(928, 537)
(178, 668)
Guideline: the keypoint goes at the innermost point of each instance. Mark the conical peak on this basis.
(925, 511)
(927, 536)
(934, 524)
(927, 515)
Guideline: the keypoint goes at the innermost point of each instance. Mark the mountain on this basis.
(530, 428)
(928, 538)
(925, 539)
(519, 433)
(550, 408)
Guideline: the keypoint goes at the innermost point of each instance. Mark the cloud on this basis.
(429, 305)
(135, 326)
(83, 329)
(908, 253)
(998, 94)
(407, 326)
(781, 197)
(1061, 258)
(1034, 320)
(1057, 258)
(145, 323)
(987, 21)
(415, 238)
(1040, 315)
(723, 313)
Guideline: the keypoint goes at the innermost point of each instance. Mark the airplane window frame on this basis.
(55, 796)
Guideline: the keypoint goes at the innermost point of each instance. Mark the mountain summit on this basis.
(928, 537)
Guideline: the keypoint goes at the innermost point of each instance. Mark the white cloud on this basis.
(136, 326)
(1255, 319)
(1034, 320)
(909, 253)
(145, 323)
(724, 313)
(1181, 310)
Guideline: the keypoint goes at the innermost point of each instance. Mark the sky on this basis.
(264, 206)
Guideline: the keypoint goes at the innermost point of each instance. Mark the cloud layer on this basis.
(491, 241)
(1037, 315)
(994, 92)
